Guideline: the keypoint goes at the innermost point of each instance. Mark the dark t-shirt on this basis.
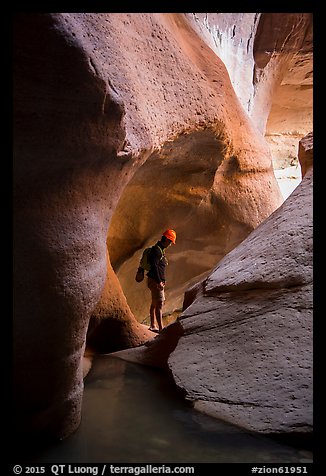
(157, 262)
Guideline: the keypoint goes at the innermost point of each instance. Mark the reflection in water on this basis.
(133, 414)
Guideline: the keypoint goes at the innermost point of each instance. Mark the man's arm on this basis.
(154, 259)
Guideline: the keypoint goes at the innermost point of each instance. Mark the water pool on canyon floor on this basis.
(134, 414)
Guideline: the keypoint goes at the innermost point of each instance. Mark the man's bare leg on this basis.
(152, 315)
(159, 314)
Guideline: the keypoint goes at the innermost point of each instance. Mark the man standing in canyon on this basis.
(156, 277)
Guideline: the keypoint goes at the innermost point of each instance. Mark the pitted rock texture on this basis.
(244, 342)
(99, 97)
(269, 57)
(254, 324)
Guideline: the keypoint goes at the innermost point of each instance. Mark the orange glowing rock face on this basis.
(124, 125)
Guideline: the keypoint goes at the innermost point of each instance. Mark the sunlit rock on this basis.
(106, 105)
(242, 350)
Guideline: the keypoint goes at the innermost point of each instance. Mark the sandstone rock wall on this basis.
(253, 327)
(96, 97)
(242, 350)
(211, 179)
(269, 57)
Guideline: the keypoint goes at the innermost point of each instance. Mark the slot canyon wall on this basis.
(269, 60)
(242, 349)
(124, 125)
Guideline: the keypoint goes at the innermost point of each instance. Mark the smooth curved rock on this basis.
(244, 343)
(112, 325)
(97, 96)
(69, 131)
(229, 188)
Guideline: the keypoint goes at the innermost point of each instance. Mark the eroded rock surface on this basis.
(112, 325)
(211, 180)
(269, 57)
(244, 342)
(256, 339)
(97, 96)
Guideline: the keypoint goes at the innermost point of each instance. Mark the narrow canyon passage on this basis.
(126, 125)
(134, 414)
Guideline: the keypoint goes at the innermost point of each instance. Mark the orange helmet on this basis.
(170, 235)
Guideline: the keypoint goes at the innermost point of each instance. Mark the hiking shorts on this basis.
(158, 294)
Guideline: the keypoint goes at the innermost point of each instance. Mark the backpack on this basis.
(144, 264)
